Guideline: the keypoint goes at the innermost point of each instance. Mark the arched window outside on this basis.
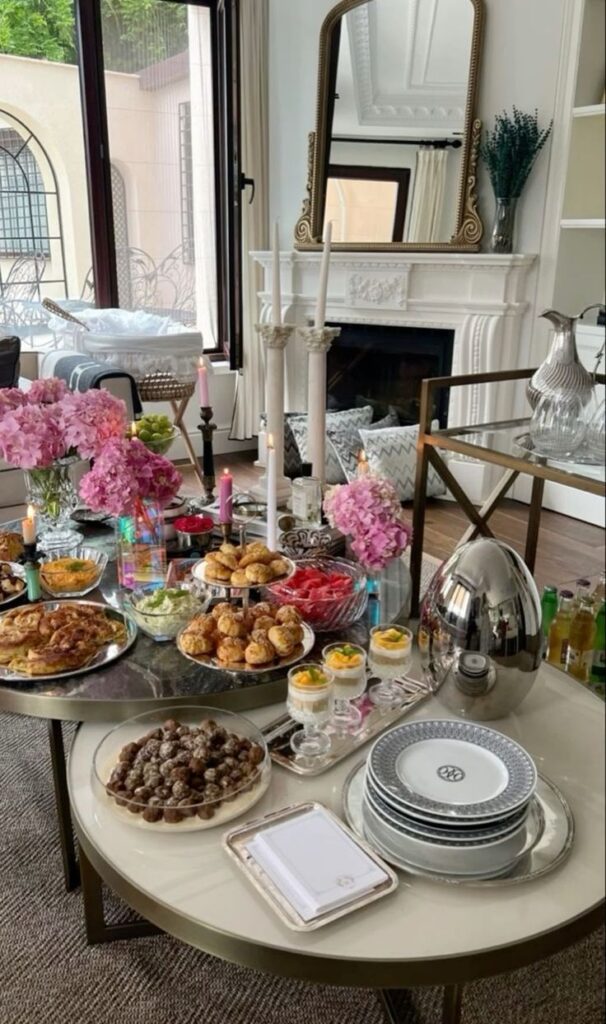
(23, 214)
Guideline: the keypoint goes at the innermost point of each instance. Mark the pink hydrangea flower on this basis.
(31, 437)
(368, 510)
(10, 399)
(126, 473)
(47, 391)
(90, 419)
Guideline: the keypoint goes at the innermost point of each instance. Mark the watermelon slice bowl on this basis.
(329, 593)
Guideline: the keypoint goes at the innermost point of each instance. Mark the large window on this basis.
(23, 218)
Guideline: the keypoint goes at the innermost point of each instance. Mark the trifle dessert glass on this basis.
(310, 702)
(389, 656)
(347, 663)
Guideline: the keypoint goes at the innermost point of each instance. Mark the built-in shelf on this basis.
(593, 110)
(584, 223)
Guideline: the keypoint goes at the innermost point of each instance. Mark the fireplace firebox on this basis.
(383, 366)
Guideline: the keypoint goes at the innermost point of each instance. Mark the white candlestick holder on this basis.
(275, 339)
(318, 341)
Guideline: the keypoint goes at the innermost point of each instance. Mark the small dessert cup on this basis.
(347, 664)
(389, 656)
(310, 702)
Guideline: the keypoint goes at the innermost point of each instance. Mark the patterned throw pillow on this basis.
(347, 443)
(392, 453)
(292, 459)
(334, 421)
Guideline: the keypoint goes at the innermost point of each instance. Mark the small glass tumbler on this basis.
(347, 664)
(389, 656)
(310, 702)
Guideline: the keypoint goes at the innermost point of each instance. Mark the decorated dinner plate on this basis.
(16, 570)
(199, 574)
(452, 770)
(104, 656)
(210, 661)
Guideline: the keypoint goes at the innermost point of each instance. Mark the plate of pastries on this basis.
(61, 638)
(262, 638)
(12, 582)
(11, 546)
(253, 565)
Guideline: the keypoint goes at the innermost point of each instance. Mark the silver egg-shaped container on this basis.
(480, 632)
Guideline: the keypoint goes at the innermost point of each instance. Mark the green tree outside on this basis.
(136, 33)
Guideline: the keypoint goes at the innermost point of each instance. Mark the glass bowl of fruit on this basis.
(329, 593)
(156, 432)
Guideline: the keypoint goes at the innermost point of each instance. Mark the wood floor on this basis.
(568, 549)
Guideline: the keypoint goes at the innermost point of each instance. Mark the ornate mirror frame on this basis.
(469, 227)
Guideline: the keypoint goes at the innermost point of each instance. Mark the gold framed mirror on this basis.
(393, 159)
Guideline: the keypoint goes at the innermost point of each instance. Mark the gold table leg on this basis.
(97, 931)
(398, 1007)
(71, 873)
(179, 408)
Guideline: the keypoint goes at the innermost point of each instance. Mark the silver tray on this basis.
(17, 570)
(199, 575)
(234, 842)
(107, 654)
(582, 457)
(209, 661)
(277, 733)
(549, 850)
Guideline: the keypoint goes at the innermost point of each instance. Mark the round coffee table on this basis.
(427, 932)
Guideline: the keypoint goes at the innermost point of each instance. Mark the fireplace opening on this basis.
(383, 366)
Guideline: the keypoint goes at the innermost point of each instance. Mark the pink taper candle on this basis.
(203, 393)
(226, 489)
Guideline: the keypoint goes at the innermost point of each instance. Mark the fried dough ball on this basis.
(229, 561)
(204, 624)
(262, 608)
(217, 573)
(223, 608)
(233, 624)
(280, 638)
(257, 572)
(197, 644)
(287, 614)
(256, 553)
(264, 622)
(295, 631)
(279, 567)
(231, 549)
(231, 650)
(259, 636)
(239, 578)
(259, 652)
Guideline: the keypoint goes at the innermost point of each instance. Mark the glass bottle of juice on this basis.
(581, 642)
(559, 632)
(598, 670)
(549, 606)
(599, 594)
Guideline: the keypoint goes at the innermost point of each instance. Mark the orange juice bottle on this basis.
(559, 632)
(581, 642)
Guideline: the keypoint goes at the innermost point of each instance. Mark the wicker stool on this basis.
(163, 387)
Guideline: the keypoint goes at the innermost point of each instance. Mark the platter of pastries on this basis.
(54, 639)
(11, 546)
(262, 638)
(241, 568)
(12, 582)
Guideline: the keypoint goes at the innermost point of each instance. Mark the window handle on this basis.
(248, 183)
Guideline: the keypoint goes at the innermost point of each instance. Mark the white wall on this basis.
(519, 65)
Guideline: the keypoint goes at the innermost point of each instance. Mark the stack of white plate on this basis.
(450, 798)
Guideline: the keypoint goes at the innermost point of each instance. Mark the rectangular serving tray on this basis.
(277, 733)
(235, 842)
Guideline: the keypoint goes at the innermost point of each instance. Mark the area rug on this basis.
(49, 976)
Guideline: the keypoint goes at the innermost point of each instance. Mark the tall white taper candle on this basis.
(324, 271)
(272, 495)
(276, 291)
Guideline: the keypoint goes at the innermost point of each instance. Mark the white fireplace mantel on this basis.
(482, 297)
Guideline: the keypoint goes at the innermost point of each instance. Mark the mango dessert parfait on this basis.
(310, 701)
(347, 662)
(390, 654)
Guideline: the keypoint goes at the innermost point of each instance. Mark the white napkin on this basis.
(315, 864)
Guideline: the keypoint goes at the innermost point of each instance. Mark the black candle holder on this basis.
(207, 429)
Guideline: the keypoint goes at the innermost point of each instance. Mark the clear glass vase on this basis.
(52, 494)
(141, 546)
(501, 239)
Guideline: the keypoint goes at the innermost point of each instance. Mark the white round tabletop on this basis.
(426, 932)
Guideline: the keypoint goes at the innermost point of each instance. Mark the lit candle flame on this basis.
(31, 512)
(270, 441)
(133, 429)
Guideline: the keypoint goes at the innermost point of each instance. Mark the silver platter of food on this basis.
(261, 638)
(232, 567)
(12, 582)
(59, 639)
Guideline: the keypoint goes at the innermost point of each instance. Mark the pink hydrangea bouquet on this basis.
(368, 511)
(47, 423)
(126, 474)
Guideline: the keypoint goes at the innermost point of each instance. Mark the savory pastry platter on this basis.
(242, 568)
(12, 582)
(259, 639)
(58, 639)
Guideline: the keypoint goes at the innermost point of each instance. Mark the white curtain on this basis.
(428, 196)
(254, 35)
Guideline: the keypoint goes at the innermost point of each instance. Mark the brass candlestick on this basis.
(226, 530)
(207, 429)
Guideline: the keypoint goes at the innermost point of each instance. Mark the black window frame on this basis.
(399, 176)
(228, 177)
